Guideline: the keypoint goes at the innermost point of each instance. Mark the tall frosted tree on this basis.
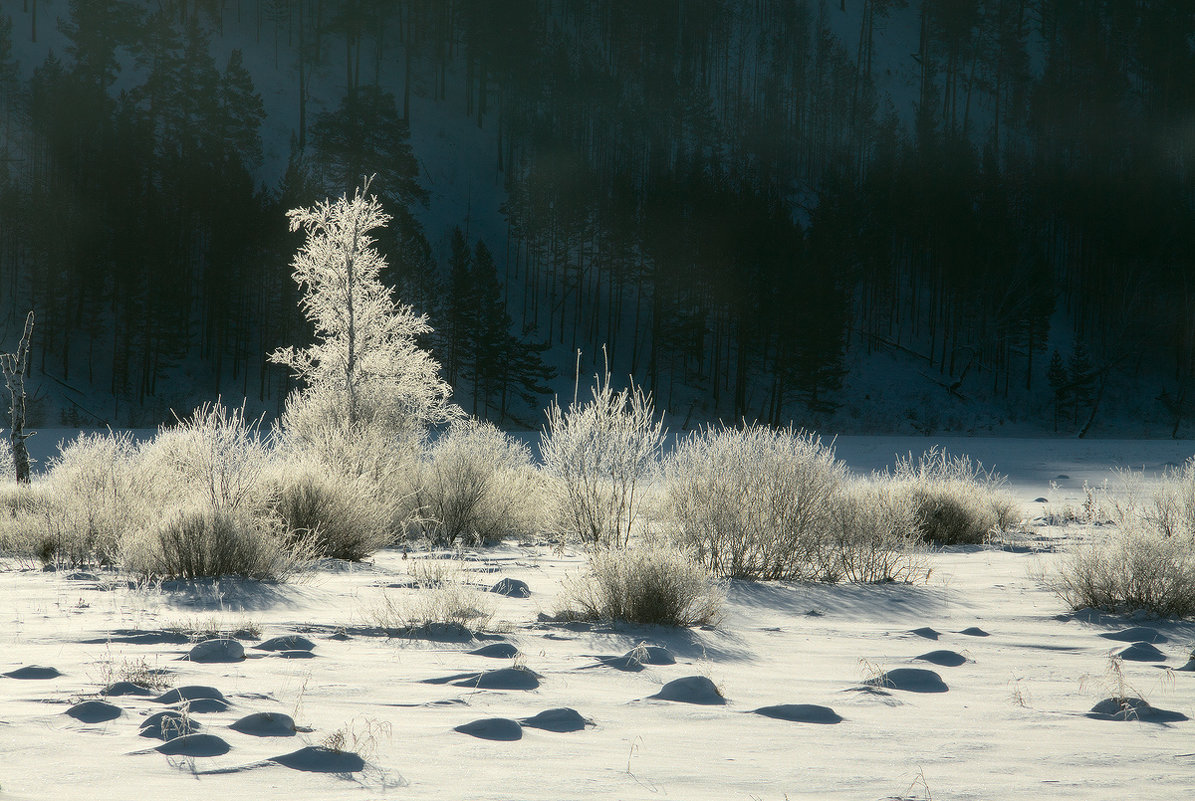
(364, 372)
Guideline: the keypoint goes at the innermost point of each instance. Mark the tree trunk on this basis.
(16, 367)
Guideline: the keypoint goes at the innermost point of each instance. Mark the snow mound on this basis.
(1129, 709)
(561, 719)
(94, 712)
(265, 724)
(316, 759)
(218, 650)
(913, 680)
(800, 713)
(503, 729)
(691, 690)
(943, 658)
(195, 745)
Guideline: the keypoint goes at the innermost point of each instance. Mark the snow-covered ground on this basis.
(1009, 721)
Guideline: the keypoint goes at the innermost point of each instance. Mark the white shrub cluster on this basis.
(873, 536)
(1146, 562)
(204, 541)
(214, 456)
(651, 583)
(753, 502)
(598, 457)
(338, 514)
(759, 503)
(956, 500)
(478, 485)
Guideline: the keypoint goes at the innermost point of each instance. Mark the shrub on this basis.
(214, 456)
(873, 536)
(753, 503)
(373, 461)
(451, 605)
(1136, 568)
(598, 456)
(207, 542)
(100, 493)
(1172, 508)
(1148, 561)
(956, 500)
(478, 484)
(653, 584)
(337, 515)
(40, 536)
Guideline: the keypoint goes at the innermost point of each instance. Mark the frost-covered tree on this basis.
(365, 371)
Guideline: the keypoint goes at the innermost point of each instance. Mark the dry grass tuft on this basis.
(651, 583)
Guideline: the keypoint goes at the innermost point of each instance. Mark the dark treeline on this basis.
(728, 194)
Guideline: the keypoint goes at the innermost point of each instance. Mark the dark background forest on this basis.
(870, 215)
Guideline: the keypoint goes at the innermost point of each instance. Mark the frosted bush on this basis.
(1171, 510)
(448, 605)
(478, 484)
(100, 493)
(643, 583)
(753, 503)
(77, 513)
(1147, 562)
(598, 456)
(214, 456)
(338, 514)
(384, 468)
(1136, 568)
(206, 542)
(873, 536)
(956, 500)
(34, 530)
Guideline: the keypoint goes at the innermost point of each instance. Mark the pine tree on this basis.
(502, 364)
(365, 132)
(460, 313)
(242, 112)
(1060, 384)
(1081, 375)
(365, 371)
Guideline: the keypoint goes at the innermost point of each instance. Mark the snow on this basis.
(1012, 723)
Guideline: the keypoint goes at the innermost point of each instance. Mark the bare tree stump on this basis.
(16, 367)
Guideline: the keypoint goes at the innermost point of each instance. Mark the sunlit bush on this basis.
(873, 536)
(754, 502)
(206, 542)
(340, 515)
(643, 583)
(598, 456)
(956, 500)
(214, 456)
(1146, 561)
(478, 484)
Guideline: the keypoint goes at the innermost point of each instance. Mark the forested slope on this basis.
(856, 214)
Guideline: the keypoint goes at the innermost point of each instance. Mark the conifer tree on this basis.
(461, 308)
(1081, 374)
(1059, 383)
(501, 363)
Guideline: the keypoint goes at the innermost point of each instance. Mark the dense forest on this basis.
(741, 200)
